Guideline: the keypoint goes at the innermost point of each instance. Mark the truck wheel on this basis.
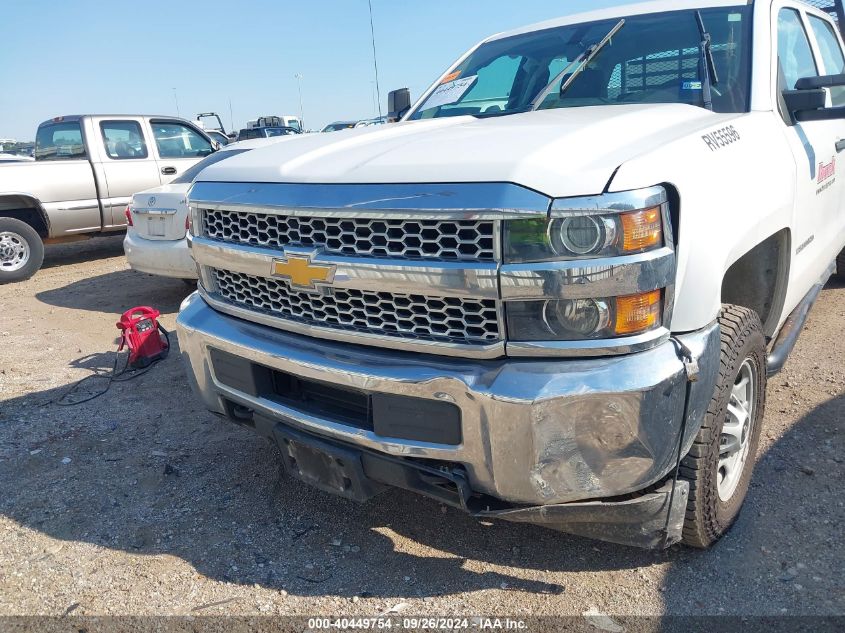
(721, 461)
(840, 266)
(21, 250)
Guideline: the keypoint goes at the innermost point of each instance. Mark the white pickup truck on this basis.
(553, 292)
(86, 169)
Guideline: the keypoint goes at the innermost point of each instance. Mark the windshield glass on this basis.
(334, 127)
(655, 58)
(190, 174)
(277, 131)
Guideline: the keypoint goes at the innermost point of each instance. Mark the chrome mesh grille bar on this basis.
(445, 320)
(446, 240)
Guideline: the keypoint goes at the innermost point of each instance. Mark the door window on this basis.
(794, 52)
(832, 57)
(123, 139)
(59, 141)
(176, 140)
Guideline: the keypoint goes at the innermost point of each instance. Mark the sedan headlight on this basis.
(583, 235)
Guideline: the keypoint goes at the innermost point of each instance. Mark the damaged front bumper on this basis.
(567, 443)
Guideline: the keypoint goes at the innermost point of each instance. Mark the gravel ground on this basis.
(140, 502)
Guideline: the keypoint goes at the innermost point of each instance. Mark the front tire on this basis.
(721, 461)
(21, 250)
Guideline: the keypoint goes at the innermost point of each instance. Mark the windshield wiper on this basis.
(588, 55)
(708, 64)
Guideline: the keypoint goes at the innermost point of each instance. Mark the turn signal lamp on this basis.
(641, 230)
(638, 313)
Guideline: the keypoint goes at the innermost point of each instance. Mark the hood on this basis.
(564, 152)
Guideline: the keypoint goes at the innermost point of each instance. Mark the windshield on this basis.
(190, 174)
(334, 127)
(278, 131)
(655, 58)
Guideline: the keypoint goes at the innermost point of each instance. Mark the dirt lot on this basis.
(142, 503)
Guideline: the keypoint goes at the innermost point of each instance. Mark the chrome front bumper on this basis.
(534, 432)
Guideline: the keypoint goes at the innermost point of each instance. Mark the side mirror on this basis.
(398, 104)
(215, 145)
(808, 102)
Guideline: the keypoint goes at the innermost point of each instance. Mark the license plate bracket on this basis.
(157, 226)
(326, 466)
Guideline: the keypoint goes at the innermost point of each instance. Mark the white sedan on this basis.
(157, 219)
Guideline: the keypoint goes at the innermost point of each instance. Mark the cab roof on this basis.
(621, 11)
(74, 118)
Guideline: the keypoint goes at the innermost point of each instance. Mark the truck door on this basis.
(831, 55)
(178, 146)
(819, 166)
(68, 191)
(127, 166)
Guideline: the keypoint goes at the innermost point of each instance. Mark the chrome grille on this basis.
(452, 240)
(447, 319)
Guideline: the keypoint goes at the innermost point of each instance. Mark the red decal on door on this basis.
(827, 171)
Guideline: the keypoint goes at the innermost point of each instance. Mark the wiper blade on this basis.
(708, 63)
(588, 55)
(498, 113)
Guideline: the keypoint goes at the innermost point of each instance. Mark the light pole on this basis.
(375, 99)
(301, 115)
(375, 58)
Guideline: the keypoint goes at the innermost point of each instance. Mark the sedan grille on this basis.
(453, 240)
(445, 320)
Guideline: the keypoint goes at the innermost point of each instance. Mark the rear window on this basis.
(59, 141)
(189, 175)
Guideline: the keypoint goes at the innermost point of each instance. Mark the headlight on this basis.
(584, 319)
(583, 235)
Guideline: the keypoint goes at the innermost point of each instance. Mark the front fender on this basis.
(732, 194)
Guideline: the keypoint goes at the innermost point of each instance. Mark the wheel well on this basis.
(27, 210)
(758, 280)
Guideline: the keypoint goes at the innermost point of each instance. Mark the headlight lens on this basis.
(584, 319)
(583, 236)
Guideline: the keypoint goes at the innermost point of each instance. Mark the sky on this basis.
(144, 56)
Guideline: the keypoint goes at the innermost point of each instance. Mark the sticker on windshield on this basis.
(734, 17)
(692, 85)
(449, 93)
(451, 77)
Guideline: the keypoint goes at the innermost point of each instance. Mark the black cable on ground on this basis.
(113, 377)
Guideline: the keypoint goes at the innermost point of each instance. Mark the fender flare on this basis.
(37, 206)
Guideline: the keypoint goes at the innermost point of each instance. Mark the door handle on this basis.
(168, 171)
(840, 146)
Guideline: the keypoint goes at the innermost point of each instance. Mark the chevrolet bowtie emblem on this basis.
(302, 273)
